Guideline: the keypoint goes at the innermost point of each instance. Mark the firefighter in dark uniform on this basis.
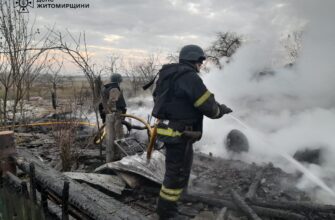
(181, 100)
(121, 106)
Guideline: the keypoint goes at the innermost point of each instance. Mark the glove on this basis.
(224, 110)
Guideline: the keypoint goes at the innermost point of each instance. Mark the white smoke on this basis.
(291, 109)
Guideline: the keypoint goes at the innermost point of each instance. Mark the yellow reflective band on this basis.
(202, 99)
(168, 197)
(171, 191)
(168, 132)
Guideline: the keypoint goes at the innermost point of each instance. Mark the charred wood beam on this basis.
(53, 211)
(243, 206)
(71, 210)
(283, 214)
(13, 181)
(268, 212)
(16, 183)
(77, 199)
(55, 197)
(254, 185)
(296, 206)
(85, 199)
(21, 187)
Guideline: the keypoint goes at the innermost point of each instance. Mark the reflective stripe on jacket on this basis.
(189, 99)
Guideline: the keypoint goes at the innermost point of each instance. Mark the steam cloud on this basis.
(288, 109)
(291, 109)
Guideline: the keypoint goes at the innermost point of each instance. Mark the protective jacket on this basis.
(181, 100)
(120, 103)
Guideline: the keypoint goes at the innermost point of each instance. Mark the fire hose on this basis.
(49, 123)
(152, 133)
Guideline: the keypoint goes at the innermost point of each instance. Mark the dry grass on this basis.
(65, 140)
(65, 91)
(77, 87)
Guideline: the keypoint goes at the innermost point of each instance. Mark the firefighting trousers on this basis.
(178, 163)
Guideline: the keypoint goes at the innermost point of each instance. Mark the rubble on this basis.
(265, 189)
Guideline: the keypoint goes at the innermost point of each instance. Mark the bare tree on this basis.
(22, 48)
(143, 72)
(173, 57)
(54, 79)
(80, 56)
(114, 64)
(134, 79)
(225, 45)
(148, 68)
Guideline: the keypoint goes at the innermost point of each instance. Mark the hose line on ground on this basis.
(49, 123)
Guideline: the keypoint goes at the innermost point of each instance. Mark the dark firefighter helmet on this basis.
(192, 53)
(117, 78)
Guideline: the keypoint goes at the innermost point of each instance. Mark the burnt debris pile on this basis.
(218, 188)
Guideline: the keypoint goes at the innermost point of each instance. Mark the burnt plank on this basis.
(295, 205)
(268, 212)
(243, 206)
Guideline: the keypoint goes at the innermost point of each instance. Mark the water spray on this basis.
(289, 158)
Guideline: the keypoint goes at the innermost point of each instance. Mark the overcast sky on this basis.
(135, 28)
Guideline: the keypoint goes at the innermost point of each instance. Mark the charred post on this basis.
(44, 199)
(24, 189)
(32, 181)
(114, 128)
(65, 198)
(110, 137)
(1, 179)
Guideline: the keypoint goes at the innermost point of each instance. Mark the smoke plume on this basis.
(285, 108)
